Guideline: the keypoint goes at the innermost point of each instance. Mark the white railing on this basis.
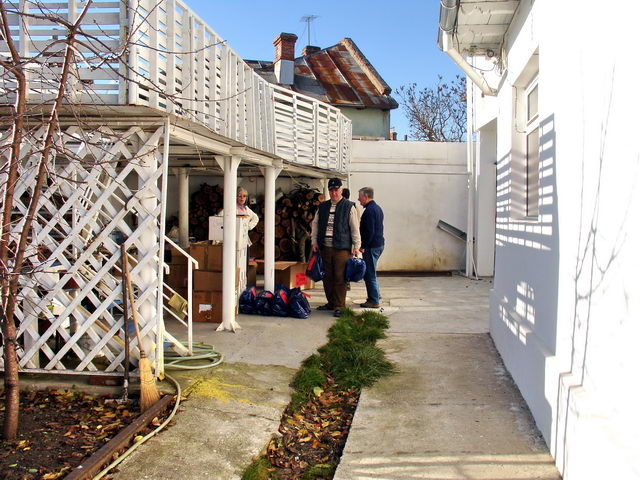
(162, 55)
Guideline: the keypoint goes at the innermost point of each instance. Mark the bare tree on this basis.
(436, 114)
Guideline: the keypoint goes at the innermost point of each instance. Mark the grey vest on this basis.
(341, 227)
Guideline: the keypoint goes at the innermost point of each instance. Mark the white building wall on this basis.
(416, 184)
(565, 308)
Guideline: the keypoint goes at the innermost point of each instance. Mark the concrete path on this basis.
(450, 413)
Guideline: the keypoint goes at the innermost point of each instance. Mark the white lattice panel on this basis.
(104, 185)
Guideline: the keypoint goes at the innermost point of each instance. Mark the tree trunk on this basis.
(11, 380)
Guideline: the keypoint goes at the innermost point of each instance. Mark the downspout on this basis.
(448, 21)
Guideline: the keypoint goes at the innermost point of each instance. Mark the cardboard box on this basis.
(207, 307)
(252, 275)
(177, 277)
(209, 256)
(207, 281)
(292, 274)
(174, 257)
(210, 281)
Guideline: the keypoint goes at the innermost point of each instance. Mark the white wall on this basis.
(565, 309)
(416, 184)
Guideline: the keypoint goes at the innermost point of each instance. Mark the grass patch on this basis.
(319, 471)
(348, 362)
(260, 470)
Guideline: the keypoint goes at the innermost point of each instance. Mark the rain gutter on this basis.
(448, 22)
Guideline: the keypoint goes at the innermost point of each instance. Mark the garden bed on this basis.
(59, 430)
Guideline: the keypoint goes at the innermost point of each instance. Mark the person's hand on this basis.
(355, 252)
(362, 250)
(314, 247)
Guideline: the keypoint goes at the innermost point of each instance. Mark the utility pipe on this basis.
(476, 78)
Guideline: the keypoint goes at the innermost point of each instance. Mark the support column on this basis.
(270, 175)
(229, 296)
(183, 211)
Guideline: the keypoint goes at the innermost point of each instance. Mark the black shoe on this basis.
(324, 307)
(368, 304)
(337, 313)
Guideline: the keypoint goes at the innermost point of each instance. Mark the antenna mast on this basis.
(308, 19)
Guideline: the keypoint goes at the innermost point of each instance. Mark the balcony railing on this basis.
(162, 55)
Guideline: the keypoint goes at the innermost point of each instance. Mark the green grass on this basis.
(319, 471)
(259, 470)
(351, 358)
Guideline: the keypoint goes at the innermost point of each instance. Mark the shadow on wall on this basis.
(592, 266)
(527, 267)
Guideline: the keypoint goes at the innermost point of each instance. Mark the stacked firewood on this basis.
(294, 214)
(205, 202)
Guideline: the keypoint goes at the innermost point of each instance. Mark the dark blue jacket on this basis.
(371, 226)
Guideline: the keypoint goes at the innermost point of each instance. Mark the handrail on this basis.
(178, 64)
(191, 263)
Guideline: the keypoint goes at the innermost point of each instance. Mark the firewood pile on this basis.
(205, 202)
(294, 214)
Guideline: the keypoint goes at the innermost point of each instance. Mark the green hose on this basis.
(202, 352)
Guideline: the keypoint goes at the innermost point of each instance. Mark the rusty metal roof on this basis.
(340, 75)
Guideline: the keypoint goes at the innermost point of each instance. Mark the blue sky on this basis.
(398, 38)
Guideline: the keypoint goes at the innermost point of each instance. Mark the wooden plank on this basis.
(90, 467)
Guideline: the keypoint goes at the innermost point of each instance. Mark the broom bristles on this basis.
(148, 391)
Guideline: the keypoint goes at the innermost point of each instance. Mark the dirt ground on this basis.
(58, 430)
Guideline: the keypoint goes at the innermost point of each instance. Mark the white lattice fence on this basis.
(105, 186)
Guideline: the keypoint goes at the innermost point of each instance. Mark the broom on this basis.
(148, 390)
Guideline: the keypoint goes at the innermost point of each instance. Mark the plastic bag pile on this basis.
(284, 302)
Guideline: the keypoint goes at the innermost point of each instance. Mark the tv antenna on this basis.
(308, 19)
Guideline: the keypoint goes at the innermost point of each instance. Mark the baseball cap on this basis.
(334, 183)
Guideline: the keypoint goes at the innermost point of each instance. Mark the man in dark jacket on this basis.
(372, 236)
(335, 234)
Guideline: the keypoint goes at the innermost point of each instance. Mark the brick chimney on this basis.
(309, 49)
(285, 44)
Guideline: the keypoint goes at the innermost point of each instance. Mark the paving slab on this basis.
(451, 411)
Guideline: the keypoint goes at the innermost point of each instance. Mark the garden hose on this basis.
(201, 352)
(133, 447)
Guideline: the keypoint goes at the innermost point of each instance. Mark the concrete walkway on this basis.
(451, 412)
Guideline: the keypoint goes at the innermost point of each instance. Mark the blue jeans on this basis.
(370, 257)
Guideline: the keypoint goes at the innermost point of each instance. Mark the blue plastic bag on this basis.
(315, 267)
(298, 304)
(354, 270)
(247, 302)
(280, 304)
(264, 303)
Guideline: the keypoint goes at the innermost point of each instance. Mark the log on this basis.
(285, 245)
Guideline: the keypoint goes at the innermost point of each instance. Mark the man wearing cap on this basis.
(335, 232)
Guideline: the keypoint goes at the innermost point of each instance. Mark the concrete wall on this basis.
(565, 308)
(369, 122)
(416, 184)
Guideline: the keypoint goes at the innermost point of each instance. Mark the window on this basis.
(532, 152)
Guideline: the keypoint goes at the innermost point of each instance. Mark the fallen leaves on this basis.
(315, 435)
(58, 430)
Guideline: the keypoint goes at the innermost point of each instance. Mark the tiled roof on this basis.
(340, 75)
